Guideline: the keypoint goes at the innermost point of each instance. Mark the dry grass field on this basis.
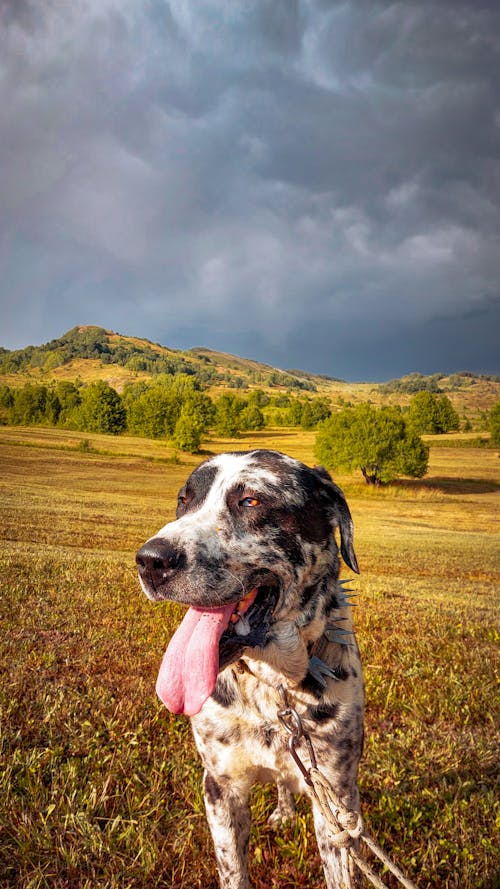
(100, 786)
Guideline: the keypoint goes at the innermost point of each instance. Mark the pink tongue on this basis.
(189, 669)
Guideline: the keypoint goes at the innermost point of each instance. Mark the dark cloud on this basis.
(311, 183)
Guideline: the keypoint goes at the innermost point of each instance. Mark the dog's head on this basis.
(253, 551)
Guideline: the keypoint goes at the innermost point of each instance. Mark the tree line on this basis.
(174, 408)
(383, 442)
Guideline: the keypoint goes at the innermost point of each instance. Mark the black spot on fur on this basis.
(224, 693)
(310, 684)
(203, 557)
(346, 743)
(341, 673)
(314, 525)
(307, 593)
(232, 736)
(331, 604)
(196, 489)
(288, 543)
(323, 712)
(271, 460)
(267, 733)
(345, 761)
(213, 791)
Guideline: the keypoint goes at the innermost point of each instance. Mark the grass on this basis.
(100, 787)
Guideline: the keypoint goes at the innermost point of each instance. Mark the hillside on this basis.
(89, 353)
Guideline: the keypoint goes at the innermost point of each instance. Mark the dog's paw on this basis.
(284, 811)
(280, 819)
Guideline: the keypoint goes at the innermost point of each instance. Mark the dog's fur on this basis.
(262, 519)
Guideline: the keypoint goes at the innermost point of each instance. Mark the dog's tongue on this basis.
(189, 669)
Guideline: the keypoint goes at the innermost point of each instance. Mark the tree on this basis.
(6, 397)
(306, 416)
(258, 397)
(202, 405)
(68, 395)
(321, 410)
(52, 408)
(294, 412)
(29, 405)
(378, 442)
(189, 429)
(495, 423)
(154, 413)
(281, 401)
(6, 402)
(432, 414)
(69, 398)
(155, 410)
(227, 415)
(313, 412)
(196, 415)
(252, 417)
(101, 409)
(448, 418)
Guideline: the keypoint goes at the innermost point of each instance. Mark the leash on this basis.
(346, 824)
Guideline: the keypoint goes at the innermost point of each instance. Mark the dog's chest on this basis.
(244, 740)
(245, 747)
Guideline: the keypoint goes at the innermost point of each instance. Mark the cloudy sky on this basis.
(307, 182)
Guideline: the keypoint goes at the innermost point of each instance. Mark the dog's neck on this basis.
(310, 657)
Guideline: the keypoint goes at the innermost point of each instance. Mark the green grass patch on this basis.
(477, 441)
(101, 787)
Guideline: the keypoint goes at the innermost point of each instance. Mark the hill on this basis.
(91, 353)
(88, 353)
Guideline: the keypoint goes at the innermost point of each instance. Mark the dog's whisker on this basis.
(236, 579)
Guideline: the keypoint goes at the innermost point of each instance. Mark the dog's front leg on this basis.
(228, 815)
(339, 869)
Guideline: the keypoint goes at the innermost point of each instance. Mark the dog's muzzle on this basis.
(158, 561)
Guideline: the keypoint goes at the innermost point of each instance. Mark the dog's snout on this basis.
(158, 560)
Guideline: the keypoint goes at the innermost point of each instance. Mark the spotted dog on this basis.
(253, 552)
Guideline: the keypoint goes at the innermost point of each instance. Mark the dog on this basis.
(253, 552)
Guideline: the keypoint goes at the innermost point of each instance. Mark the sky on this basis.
(310, 183)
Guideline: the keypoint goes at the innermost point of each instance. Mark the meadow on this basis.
(100, 786)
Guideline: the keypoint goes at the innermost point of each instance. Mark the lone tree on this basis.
(376, 441)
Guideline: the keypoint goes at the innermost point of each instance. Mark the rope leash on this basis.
(346, 825)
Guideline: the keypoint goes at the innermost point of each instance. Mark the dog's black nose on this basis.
(158, 560)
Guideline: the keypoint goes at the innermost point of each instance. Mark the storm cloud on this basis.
(314, 184)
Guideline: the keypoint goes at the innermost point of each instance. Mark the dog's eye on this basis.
(250, 502)
(182, 500)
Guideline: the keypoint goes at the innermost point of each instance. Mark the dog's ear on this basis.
(344, 517)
